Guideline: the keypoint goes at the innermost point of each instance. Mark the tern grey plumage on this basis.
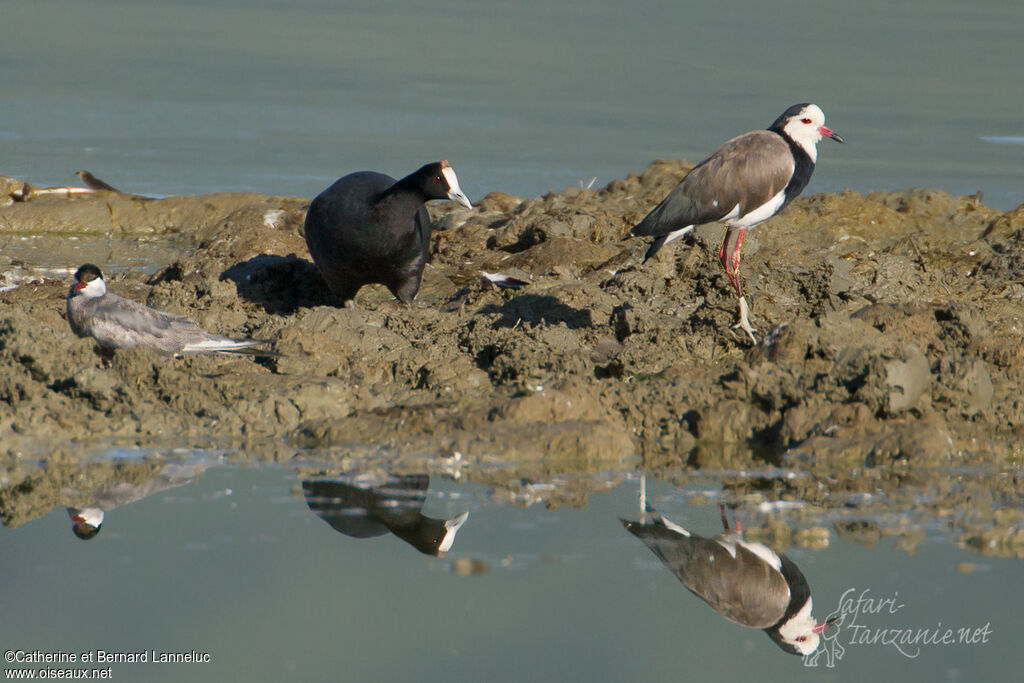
(745, 182)
(119, 323)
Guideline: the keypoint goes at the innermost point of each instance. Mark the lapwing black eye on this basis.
(805, 120)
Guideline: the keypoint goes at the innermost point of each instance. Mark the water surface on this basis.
(237, 565)
(283, 96)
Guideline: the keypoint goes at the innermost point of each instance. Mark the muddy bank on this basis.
(892, 325)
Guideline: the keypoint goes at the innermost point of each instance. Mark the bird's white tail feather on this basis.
(221, 345)
(676, 234)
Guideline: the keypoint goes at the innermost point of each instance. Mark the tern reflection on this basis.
(365, 506)
(87, 520)
(747, 583)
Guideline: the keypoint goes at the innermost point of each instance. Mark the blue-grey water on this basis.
(165, 97)
(236, 566)
(282, 96)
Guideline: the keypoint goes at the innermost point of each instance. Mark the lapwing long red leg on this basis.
(735, 260)
(731, 264)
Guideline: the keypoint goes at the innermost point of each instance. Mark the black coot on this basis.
(368, 228)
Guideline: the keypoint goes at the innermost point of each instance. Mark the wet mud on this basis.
(889, 326)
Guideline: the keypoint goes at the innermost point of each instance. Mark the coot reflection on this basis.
(365, 506)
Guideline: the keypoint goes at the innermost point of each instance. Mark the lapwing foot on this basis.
(744, 323)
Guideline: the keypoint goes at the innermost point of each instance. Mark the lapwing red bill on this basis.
(747, 583)
(369, 228)
(118, 323)
(743, 183)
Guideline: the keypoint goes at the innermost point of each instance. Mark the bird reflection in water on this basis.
(365, 506)
(746, 582)
(87, 520)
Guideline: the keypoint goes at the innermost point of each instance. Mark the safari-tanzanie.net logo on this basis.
(865, 620)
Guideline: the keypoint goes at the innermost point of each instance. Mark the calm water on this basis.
(238, 566)
(282, 96)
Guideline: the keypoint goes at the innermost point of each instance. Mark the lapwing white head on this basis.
(804, 124)
(800, 634)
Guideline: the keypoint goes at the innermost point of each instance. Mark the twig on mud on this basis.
(28, 192)
(912, 241)
(917, 251)
(66, 191)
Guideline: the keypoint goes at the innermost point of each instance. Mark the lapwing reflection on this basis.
(365, 506)
(746, 582)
